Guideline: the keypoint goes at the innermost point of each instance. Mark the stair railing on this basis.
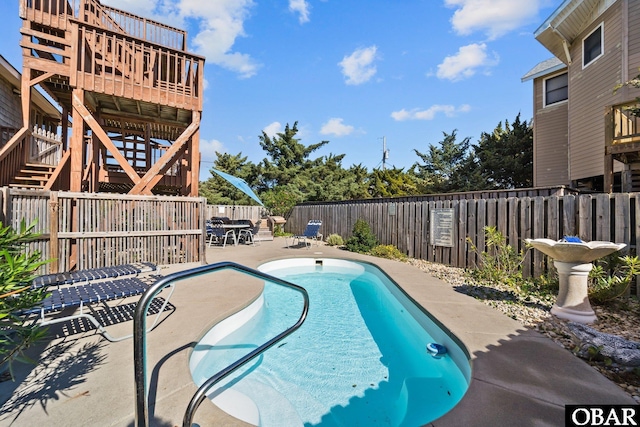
(140, 337)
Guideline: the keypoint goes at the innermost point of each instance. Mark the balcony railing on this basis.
(57, 14)
(622, 124)
(117, 64)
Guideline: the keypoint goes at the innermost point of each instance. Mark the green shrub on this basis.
(611, 277)
(362, 239)
(500, 262)
(389, 252)
(17, 271)
(335, 240)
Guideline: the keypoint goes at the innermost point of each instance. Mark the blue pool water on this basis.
(359, 359)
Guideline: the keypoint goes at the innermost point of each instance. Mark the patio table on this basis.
(236, 228)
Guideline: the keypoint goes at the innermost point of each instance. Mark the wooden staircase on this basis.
(33, 175)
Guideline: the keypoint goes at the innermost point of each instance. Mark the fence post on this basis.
(6, 207)
(53, 232)
(3, 206)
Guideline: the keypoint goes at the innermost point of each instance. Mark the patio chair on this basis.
(311, 232)
(80, 290)
(217, 233)
(250, 234)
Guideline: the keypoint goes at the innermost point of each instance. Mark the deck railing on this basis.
(12, 155)
(46, 147)
(142, 28)
(117, 64)
(57, 14)
(622, 124)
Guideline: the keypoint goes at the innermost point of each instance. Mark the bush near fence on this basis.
(532, 213)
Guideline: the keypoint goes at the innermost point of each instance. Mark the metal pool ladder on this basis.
(140, 338)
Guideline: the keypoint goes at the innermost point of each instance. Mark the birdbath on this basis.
(573, 259)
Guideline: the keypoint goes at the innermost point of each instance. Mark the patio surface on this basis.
(519, 377)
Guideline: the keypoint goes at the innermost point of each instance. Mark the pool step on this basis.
(274, 409)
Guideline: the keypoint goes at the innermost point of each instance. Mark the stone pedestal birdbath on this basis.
(573, 259)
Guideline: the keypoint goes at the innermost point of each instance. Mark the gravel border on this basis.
(621, 317)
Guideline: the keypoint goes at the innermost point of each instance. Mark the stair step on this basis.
(33, 174)
(26, 186)
(32, 178)
(40, 166)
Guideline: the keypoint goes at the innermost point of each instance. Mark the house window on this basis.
(592, 46)
(556, 89)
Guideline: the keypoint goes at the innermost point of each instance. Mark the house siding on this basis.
(10, 106)
(634, 45)
(590, 92)
(550, 129)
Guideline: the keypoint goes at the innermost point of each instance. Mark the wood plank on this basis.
(603, 217)
(585, 218)
(622, 223)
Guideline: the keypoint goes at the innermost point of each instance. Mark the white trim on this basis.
(544, 90)
(601, 27)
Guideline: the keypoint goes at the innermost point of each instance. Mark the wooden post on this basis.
(54, 253)
(194, 163)
(608, 173)
(76, 143)
(608, 142)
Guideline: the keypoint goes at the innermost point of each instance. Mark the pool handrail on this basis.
(140, 337)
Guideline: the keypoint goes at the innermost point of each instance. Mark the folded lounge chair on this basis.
(311, 232)
(84, 288)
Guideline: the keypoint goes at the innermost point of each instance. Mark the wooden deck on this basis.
(131, 84)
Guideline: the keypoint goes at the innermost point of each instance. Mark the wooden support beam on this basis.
(78, 106)
(44, 64)
(194, 164)
(15, 139)
(77, 141)
(142, 186)
(41, 78)
(56, 173)
(25, 96)
(608, 173)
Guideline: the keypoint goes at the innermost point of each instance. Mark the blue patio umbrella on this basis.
(240, 184)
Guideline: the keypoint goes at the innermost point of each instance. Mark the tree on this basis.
(288, 158)
(505, 156)
(219, 191)
(391, 182)
(446, 167)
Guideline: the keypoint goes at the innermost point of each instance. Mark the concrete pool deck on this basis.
(519, 377)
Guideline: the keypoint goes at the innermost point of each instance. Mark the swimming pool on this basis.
(359, 359)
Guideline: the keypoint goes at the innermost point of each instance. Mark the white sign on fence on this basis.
(441, 227)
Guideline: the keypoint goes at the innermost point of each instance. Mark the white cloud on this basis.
(220, 23)
(335, 127)
(209, 147)
(430, 113)
(301, 7)
(272, 129)
(494, 17)
(464, 63)
(358, 67)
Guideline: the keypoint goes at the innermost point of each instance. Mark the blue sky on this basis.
(350, 72)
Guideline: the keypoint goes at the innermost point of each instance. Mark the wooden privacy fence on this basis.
(89, 230)
(406, 224)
